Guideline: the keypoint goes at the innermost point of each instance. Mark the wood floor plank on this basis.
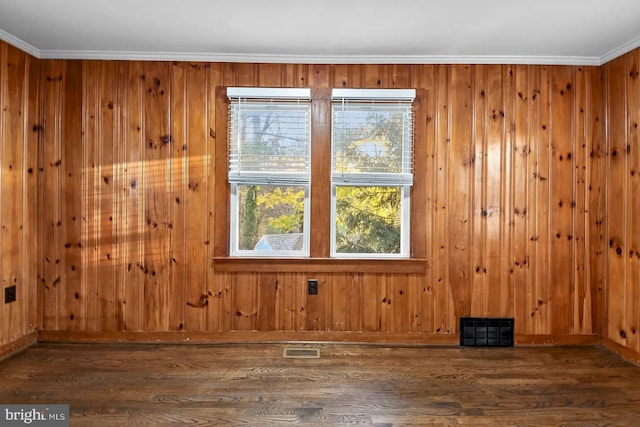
(118, 384)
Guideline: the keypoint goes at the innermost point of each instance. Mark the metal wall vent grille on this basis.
(486, 332)
(301, 353)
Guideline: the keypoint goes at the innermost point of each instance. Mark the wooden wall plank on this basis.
(13, 87)
(197, 197)
(156, 169)
(132, 95)
(90, 185)
(293, 76)
(228, 283)
(213, 78)
(268, 75)
(520, 117)
(340, 303)
(544, 233)
(371, 299)
(460, 178)
(562, 199)
(507, 209)
(266, 308)
(319, 76)
(532, 179)
(111, 107)
(52, 105)
(425, 153)
(440, 241)
(108, 182)
(5, 312)
(71, 212)
(341, 76)
(32, 196)
(182, 301)
(399, 292)
(478, 218)
(493, 189)
(244, 310)
(617, 176)
(582, 296)
(245, 75)
(400, 76)
(596, 215)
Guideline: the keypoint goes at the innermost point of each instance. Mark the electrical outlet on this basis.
(312, 286)
(9, 294)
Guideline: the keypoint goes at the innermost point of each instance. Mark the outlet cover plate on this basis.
(312, 286)
(9, 294)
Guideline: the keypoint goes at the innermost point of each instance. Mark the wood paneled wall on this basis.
(19, 104)
(512, 159)
(623, 202)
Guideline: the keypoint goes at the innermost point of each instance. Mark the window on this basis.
(362, 170)
(269, 171)
(371, 172)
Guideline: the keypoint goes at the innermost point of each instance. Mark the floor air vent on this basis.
(301, 353)
(486, 332)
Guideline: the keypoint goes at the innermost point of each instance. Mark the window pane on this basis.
(270, 218)
(371, 139)
(269, 138)
(368, 219)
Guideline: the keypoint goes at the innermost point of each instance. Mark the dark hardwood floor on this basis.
(121, 384)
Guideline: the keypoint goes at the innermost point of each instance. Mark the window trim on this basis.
(425, 135)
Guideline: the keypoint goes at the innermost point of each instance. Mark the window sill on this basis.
(319, 265)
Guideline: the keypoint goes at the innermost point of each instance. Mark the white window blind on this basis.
(269, 136)
(372, 136)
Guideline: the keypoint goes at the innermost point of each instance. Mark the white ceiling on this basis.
(587, 32)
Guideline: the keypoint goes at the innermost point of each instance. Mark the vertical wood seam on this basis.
(4, 59)
(25, 244)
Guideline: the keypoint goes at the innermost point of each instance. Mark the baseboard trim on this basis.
(625, 352)
(22, 343)
(551, 340)
(235, 337)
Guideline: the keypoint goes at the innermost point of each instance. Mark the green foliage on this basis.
(368, 219)
(266, 209)
(249, 218)
(283, 209)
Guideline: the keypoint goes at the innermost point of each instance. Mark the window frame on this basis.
(319, 260)
(267, 178)
(402, 179)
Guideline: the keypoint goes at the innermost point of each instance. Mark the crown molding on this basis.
(19, 43)
(620, 50)
(320, 59)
